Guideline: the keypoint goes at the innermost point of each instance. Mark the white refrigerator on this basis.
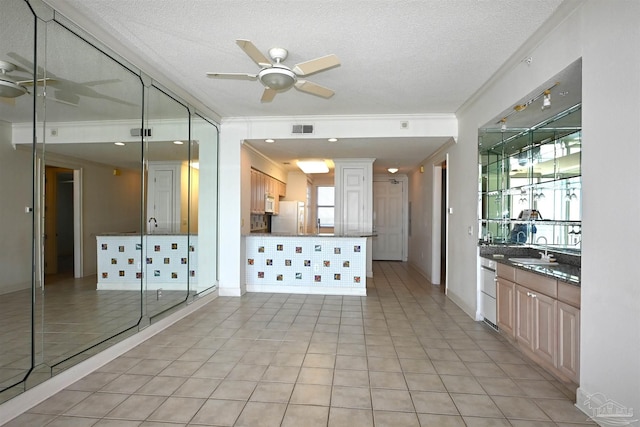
(291, 218)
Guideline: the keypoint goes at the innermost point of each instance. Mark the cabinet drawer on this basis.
(506, 272)
(537, 283)
(569, 294)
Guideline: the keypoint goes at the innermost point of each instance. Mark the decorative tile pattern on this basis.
(163, 261)
(310, 264)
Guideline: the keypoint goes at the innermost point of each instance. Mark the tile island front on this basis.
(323, 264)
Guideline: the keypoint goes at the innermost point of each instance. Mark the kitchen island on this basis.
(164, 261)
(324, 264)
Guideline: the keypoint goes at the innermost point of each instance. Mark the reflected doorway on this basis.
(443, 229)
(58, 221)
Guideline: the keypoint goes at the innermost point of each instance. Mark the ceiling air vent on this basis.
(140, 132)
(302, 129)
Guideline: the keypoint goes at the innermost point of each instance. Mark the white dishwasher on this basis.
(488, 291)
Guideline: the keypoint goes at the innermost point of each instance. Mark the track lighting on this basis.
(546, 101)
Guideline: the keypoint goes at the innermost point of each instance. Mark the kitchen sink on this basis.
(534, 261)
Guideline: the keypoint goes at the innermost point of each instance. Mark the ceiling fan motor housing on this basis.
(277, 78)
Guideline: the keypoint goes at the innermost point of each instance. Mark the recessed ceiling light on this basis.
(333, 140)
(269, 141)
(178, 142)
(313, 166)
(393, 170)
(119, 143)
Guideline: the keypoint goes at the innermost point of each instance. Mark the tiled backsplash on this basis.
(258, 222)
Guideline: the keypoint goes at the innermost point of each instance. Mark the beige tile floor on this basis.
(404, 355)
(69, 317)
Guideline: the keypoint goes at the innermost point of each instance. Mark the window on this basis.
(325, 205)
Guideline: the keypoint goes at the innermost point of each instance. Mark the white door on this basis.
(387, 220)
(353, 200)
(162, 195)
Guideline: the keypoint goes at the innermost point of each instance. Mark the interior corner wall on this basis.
(16, 180)
(231, 270)
(610, 308)
(606, 36)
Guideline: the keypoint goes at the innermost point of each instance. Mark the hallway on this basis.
(404, 355)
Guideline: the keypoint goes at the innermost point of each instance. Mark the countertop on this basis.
(567, 269)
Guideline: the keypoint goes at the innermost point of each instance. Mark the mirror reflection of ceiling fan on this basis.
(11, 87)
(63, 91)
(277, 77)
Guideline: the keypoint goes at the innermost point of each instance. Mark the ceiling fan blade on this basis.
(39, 81)
(10, 101)
(268, 95)
(314, 89)
(252, 51)
(316, 65)
(233, 76)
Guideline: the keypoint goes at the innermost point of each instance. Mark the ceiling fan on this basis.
(10, 88)
(277, 77)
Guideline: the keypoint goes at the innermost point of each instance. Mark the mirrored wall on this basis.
(530, 179)
(100, 170)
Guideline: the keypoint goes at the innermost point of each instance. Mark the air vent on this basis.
(302, 129)
(139, 132)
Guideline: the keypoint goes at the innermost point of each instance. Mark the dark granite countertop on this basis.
(567, 269)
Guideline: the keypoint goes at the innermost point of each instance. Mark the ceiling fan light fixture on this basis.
(313, 166)
(277, 78)
(392, 170)
(9, 89)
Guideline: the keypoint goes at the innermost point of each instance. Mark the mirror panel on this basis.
(168, 269)
(92, 193)
(16, 192)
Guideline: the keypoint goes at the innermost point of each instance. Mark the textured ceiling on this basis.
(397, 57)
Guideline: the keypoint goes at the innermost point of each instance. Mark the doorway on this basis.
(439, 227)
(443, 227)
(58, 221)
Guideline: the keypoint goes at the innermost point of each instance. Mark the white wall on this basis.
(606, 35)
(15, 232)
(110, 203)
(610, 347)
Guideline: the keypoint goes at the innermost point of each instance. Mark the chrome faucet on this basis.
(546, 243)
(518, 237)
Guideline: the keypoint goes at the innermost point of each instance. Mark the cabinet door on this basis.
(524, 316)
(254, 191)
(262, 183)
(545, 335)
(505, 306)
(568, 361)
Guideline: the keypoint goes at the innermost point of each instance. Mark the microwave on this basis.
(269, 203)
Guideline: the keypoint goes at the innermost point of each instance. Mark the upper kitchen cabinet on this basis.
(263, 185)
(530, 184)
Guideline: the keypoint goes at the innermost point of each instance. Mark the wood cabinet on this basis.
(505, 313)
(543, 317)
(568, 361)
(262, 184)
